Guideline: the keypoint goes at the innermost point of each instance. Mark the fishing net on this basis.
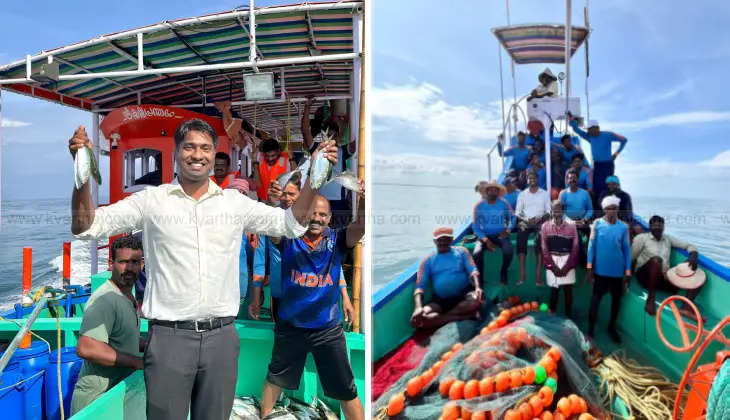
(286, 408)
(499, 369)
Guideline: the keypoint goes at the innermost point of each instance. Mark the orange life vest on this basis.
(270, 173)
(224, 183)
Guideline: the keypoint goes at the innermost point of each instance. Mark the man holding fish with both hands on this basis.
(192, 238)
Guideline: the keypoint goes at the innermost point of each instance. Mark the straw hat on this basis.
(682, 276)
(494, 184)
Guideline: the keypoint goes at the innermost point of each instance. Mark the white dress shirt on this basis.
(531, 204)
(191, 248)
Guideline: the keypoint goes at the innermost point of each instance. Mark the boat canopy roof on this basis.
(311, 48)
(538, 43)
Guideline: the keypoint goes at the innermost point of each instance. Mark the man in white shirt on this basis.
(192, 239)
(533, 208)
(548, 85)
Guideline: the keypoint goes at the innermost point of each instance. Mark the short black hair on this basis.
(565, 136)
(194, 124)
(270, 145)
(571, 171)
(521, 133)
(296, 180)
(578, 155)
(656, 218)
(223, 155)
(128, 242)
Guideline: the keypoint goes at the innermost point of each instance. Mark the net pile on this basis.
(524, 363)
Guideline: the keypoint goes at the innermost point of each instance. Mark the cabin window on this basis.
(142, 167)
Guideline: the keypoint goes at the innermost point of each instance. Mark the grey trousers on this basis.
(184, 369)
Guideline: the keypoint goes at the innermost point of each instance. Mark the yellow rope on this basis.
(58, 364)
(647, 393)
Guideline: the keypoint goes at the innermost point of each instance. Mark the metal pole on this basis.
(93, 245)
(252, 35)
(41, 304)
(548, 144)
(568, 50)
(276, 62)
(140, 51)
(588, 66)
(358, 256)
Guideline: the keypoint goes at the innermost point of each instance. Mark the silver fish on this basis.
(348, 180)
(303, 169)
(281, 414)
(246, 408)
(85, 165)
(324, 411)
(321, 168)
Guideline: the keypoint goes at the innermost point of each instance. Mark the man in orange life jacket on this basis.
(269, 164)
(308, 316)
(222, 170)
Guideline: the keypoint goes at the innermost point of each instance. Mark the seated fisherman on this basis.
(559, 243)
(558, 172)
(109, 340)
(512, 192)
(452, 278)
(651, 251)
(603, 159)
(538, 168)
(492, 222)
(585, 175)
(308, 317)
(625, 209)
(568, 150)
(609, 256)
(548, 85)
(533, 208)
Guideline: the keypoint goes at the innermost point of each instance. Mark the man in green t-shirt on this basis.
(110, 342)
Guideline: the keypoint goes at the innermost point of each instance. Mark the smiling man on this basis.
(308, 313)
(192, 239)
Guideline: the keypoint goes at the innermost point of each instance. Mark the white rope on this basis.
(40, 372)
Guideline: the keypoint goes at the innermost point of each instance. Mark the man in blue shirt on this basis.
(609, 257)
(493, 219)
(453, 280)
(520, 153)
(578, 207)
(600, 142)
(538, 167)
(512, 192)
(309, 317)
(585, 175)
(568, 150)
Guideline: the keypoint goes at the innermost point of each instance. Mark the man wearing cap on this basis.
(533, 208)
(520, 153)
(600, 142)
(651, 251)
(625, 209)
(192, 239)
(609, 261)
(548, 85)
(453, 280)
(492, 223)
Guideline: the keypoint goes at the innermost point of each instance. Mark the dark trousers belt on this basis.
(198, 326)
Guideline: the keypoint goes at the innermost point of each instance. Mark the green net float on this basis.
(540, 374)
(552, 383)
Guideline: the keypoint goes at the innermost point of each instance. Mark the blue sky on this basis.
(35, 160)
(658, 76)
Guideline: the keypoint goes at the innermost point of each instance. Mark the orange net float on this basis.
(456, 391)
(396, 404)
(451, 411)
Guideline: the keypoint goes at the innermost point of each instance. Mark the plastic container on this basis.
(11, 392)
(31, 361)
(70, 368)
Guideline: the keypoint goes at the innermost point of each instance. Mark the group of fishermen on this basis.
(196, 231)
(612, 247)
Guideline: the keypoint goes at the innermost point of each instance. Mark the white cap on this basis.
(592, 123)
(610, 200)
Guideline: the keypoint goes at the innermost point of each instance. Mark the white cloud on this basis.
(720, 160)
(8, 123)
(422, 107)
(679, 118)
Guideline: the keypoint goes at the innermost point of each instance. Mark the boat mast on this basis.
(358, 28)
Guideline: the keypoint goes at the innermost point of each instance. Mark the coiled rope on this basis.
(718, 402)
(647, 393)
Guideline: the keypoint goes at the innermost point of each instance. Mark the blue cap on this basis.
(613, 179)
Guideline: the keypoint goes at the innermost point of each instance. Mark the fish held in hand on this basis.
(348, 180)
(321, 167)
(85, 165)
(303, 169)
